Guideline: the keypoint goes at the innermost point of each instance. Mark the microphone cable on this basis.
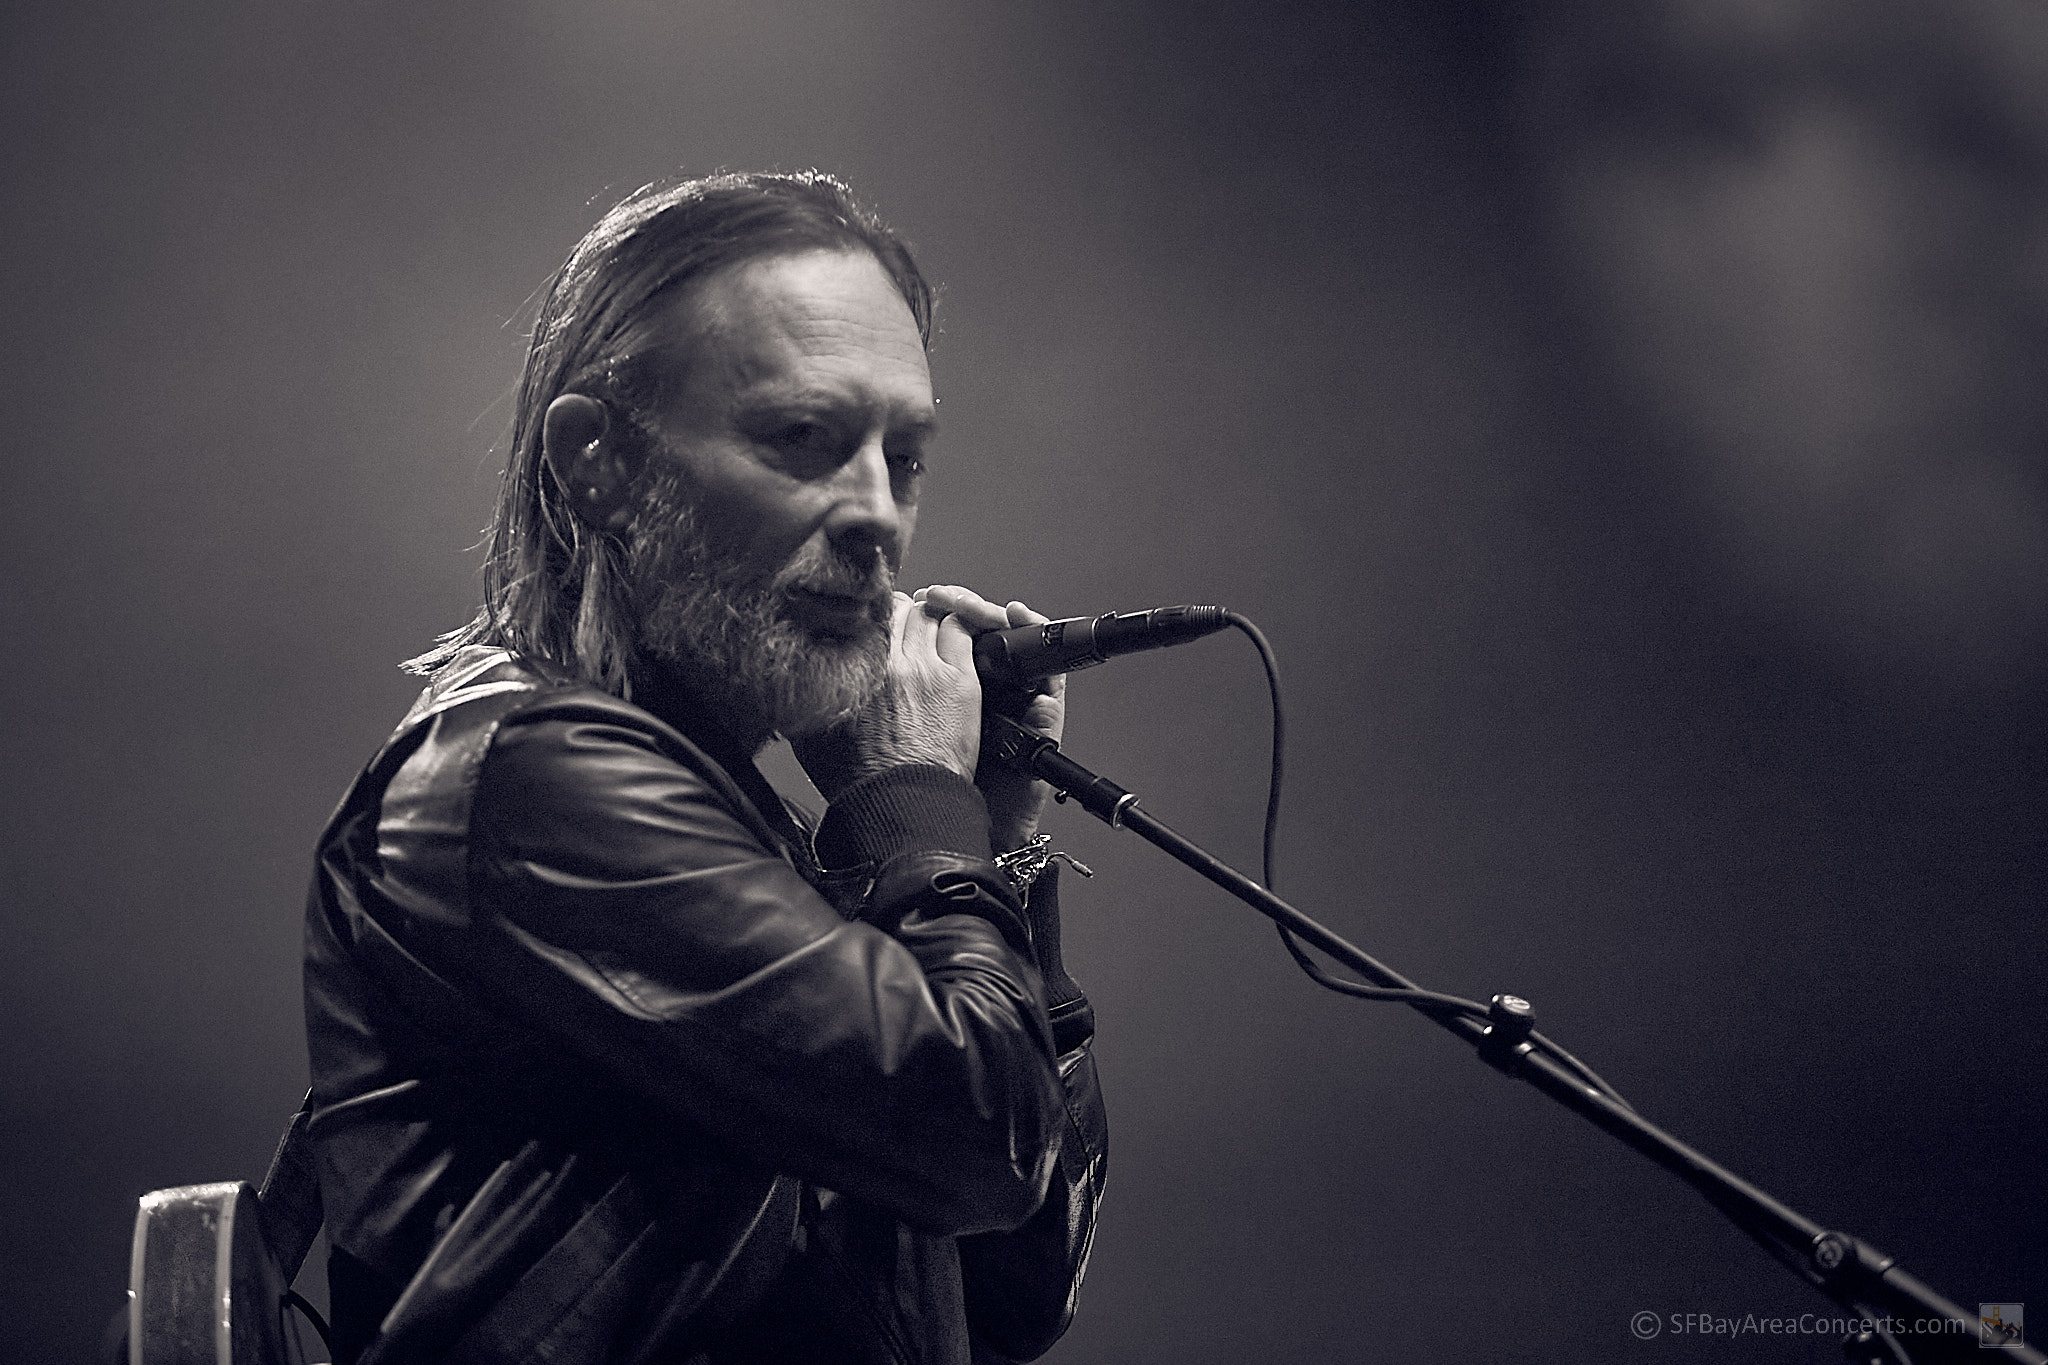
(1428, 1002)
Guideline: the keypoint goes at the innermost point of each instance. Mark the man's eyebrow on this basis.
(770, 400)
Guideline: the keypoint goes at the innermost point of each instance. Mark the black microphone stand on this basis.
(1857, 1276)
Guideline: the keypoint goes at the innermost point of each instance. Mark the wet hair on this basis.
(554, 587)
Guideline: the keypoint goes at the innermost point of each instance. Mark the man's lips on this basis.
(842, 610)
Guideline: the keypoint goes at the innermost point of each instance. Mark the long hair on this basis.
(555, 588)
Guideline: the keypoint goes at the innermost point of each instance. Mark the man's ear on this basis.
(595, 462)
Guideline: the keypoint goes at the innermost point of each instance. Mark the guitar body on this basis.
(203, 1285)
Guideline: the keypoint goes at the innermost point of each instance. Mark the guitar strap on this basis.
(290, 1197)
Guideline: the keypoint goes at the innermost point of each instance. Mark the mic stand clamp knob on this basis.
(1506, 1040)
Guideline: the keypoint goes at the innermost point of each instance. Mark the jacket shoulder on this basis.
(479, 677)
(502, 737)
(460, 713)
(410, 806)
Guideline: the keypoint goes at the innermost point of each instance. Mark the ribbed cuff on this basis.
(917, 808)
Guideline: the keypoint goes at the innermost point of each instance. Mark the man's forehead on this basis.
(818, 324)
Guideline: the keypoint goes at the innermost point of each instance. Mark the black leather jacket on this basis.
(601, 1074)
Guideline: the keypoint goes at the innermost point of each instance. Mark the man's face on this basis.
(783, 487)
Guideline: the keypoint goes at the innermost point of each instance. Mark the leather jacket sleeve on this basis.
(625, 906)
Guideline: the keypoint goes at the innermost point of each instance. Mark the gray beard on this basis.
(735, 643)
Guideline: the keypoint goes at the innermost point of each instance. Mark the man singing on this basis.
(613, 1060)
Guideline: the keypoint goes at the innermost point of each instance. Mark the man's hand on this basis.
(1014, 801)
(929, 713)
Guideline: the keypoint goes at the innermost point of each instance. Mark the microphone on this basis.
(1024, 654)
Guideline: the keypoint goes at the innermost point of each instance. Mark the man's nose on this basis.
(865, 512)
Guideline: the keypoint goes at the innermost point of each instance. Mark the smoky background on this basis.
(1626, 419)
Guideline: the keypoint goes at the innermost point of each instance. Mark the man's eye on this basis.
(906, 462)
(807, 450)
(805, 437)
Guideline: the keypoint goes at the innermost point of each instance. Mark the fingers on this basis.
(978, 616)
(1045, 713)
(955, 644)
(1021, 615)
(910, 630)
(924, 634)
(976, 612)
(923, 637)
(931, 713)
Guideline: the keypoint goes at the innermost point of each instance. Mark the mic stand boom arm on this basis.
(1856, 1275)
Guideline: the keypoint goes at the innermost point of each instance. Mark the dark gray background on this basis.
(1626, 420)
